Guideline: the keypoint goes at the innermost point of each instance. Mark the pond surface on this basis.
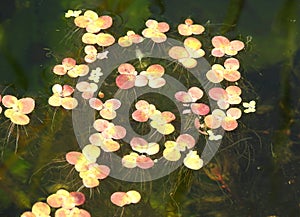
(256, 169)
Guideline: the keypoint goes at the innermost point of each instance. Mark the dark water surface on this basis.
(259, 163)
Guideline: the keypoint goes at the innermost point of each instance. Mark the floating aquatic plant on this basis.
(89, 171)
(63, 201)
(129, 78)
(228, 72)
(186, 55)
(224, 46)
(92, 22)
(71, 13)
(110, 137)
(189, 28)
(249, 106)
(18, 109)
(69, 67)
(129, 39)
(62, 97)
(124, 198)
(133, 160)
(156, 31)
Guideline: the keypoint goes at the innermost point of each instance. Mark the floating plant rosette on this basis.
(146, 104)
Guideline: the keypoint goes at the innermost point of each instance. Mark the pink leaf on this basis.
(186, 140)
(73, 156)
(196, 93)
(9, 101)
(200, 108)
(141, 81)
(126, 68)
(125, 81)
(217, 93)
(229, 123)
(157, 82)
(101, 124)
(140, 116)
(112, 104)
(219, 41)
(26, 105)
(78, 198)
(69, 63)
(168, 116)
(119, 132)
(108, 114)
(96, 103)
(144, 162)
(183, 96)
(120, 199)
(137, 141)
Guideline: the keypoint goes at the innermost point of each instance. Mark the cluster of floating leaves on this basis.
(186, 55)
(124, 198)
(62, 97)
(189, 99)
(129, 78)
(89, 171)
(17, 110)
(63, 201)
(173, 151)
(107, 135)
(69, 67)
(133, 160)
(159, 120)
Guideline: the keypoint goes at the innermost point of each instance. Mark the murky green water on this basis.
(259, 162)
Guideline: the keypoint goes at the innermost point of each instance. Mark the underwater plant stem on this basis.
(283, 142)
(14, 192)
(47, 140)
(17, 139)
(122, 212)
(233, 13)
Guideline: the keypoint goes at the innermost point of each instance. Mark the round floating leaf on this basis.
(19, 118)
(140, 81)
(41, 209)
(28, 214)
(229, 123)
(120, 199)
(129, 161)
(216, 74)
(235, 113)
(26, 105)
(144, 162)
(126, 68)
(185, 140)
(125, 81)
(9, 101)
(134, 196)
(96, 103)
(69, 103)
(177, 53)
(78, 198)
(91, 152)
(101, 124)
(171, 154)
(73, 156)
(105, 39)
(200, 108)
(110, 145)
(193, 161)
(157, 82)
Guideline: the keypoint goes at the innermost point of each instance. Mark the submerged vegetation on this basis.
(113, 172)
